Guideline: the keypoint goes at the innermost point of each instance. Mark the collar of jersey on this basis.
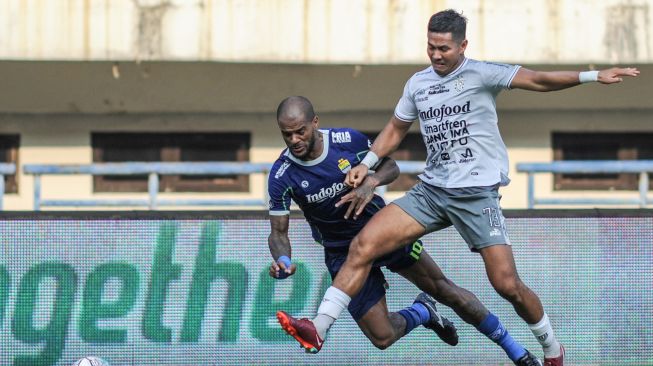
(462, 64)
(319, 159)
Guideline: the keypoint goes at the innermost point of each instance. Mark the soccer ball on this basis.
(91, 361)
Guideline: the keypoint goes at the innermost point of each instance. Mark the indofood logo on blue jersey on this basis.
(444, 111)
(326, 192)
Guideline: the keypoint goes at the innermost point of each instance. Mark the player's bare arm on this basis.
(279, 245)
(385, 144)
(359, 197)
(556, 80)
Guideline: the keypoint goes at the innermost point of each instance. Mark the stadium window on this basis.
(601, 146)
(9, 154)
(411, 148)
(171, 147)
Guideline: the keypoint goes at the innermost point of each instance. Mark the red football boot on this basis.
(558, 361)
(302, 330)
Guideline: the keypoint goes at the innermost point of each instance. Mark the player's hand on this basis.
(358, 197)
(616, 74)
(356, 175)
(279, 270)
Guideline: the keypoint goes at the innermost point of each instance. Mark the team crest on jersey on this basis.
(459, 83)
(344, 165)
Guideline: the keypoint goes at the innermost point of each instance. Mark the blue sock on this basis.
(493, 329)
(416, 314)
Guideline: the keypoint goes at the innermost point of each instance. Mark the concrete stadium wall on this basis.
(322, 31)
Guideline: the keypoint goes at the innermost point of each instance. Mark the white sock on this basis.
(333, 303)
(544, 334)
(322, 324)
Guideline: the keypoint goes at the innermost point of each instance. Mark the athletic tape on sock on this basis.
(334, 302)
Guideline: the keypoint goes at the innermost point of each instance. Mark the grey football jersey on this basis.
(458, 121)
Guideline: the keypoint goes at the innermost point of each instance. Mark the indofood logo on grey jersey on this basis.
(444, 111)
(326, 192)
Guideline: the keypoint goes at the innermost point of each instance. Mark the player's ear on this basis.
(316, 121)
(463, 45)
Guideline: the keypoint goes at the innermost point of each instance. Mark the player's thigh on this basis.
(375, 323)
(425, 274)
(389, 229)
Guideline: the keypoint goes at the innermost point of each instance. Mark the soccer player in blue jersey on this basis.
(311, 173)
(467, 162)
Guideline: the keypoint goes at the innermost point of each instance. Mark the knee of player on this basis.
(508, 287)
(382, 343)
(362, 249)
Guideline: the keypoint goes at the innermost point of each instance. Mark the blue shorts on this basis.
(374, 288)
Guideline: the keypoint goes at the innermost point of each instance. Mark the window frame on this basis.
(10, 143)
(169, 147)
(628, 147)
(405, 181)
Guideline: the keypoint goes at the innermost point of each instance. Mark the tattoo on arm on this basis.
(278, 241)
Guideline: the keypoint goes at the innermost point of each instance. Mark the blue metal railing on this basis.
(154, 170)
(641, 167)
(5, 169)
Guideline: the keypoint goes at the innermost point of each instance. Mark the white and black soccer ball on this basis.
(91, 361)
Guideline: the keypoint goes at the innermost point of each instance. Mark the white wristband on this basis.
(588, 76)
(370, 160)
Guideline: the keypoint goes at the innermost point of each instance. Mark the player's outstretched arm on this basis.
(359, 197)
(279, 245)
(556, 80)
(384, 144)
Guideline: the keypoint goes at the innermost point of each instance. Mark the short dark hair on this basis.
(301, 103)
(449, 21)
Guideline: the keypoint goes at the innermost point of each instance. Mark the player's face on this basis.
(301, 137)
(445, 52)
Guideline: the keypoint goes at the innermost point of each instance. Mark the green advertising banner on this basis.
(197, 292)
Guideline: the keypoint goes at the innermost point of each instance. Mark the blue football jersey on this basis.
(317, 185)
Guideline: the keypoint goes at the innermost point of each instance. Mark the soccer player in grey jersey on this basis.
(454, 100)
(314, 160)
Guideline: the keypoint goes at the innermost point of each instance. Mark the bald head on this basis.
(299, 127)
(295, 108)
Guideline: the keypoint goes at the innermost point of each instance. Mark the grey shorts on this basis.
(474, 212)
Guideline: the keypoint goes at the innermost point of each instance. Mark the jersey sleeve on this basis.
(498, 76)
(361, 144)
(406, 109)
(279, 189)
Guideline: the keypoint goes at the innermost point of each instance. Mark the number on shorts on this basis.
(416, 250)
